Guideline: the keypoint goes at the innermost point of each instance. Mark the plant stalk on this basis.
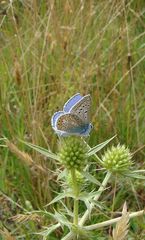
(100, 190)
(112, 221)
(76, 192)
(84, 218)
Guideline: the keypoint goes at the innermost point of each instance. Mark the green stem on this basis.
(76, 211)
(112, 221)
(100, 190)
(76, 192)
(84, 218)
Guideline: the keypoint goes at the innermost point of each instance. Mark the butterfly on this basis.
(75, 117)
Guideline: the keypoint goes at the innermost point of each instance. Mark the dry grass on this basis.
(120, 232)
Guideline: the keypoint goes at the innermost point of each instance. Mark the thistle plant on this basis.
(75, 157)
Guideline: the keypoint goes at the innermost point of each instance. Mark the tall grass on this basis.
(51, 50)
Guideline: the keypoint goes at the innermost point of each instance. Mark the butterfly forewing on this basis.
(69, 123)
(71, 102)
(82, 109)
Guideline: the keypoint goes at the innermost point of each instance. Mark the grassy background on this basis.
(48, 52)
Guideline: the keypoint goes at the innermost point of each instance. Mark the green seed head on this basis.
(73, 153)
(117, 159)
(79, 179)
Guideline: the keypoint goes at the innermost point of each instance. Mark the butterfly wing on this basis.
(70, 123)
(82, 109)
(55, 117)
(71, 102)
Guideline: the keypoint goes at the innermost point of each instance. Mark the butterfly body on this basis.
(75, 117)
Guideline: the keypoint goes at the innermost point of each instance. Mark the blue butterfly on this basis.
(75, 117)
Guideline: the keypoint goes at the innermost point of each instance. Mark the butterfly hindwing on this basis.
(69, 123)
(55, 117)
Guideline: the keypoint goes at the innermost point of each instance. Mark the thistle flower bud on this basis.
(28, 205)
(117, 159)
(73, 153)
(79, 179)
